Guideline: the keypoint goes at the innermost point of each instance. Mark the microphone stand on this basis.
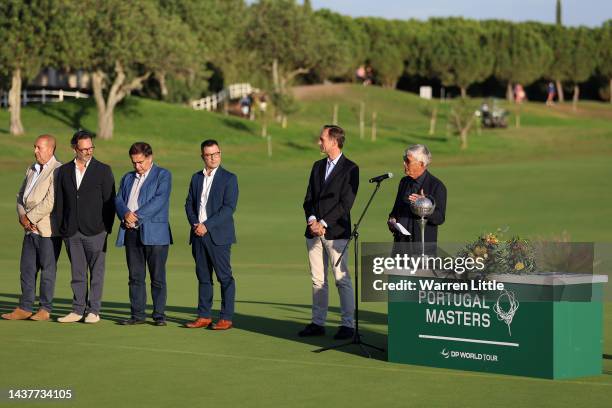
(355, 235)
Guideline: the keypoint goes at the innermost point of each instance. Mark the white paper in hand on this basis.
(400, 228)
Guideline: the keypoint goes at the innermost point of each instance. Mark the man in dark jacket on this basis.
(418, 183)
(332, 188)
(85, 203)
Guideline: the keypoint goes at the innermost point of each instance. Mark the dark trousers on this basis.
(209, 257)
(139, 257)
(87, 253)
(38, 254)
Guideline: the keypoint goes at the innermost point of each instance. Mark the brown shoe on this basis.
(41, 315)
(200, 322)
(222, 325)
(17, 314)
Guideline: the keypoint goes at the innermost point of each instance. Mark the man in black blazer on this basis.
(418, 182)
(332, 188)
(85, 205)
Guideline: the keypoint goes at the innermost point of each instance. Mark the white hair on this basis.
(419, 152)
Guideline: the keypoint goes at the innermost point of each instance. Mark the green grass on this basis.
(551, 175)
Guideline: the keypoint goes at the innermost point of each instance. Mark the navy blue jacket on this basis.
(220, 207)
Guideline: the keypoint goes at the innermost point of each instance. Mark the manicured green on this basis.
(550, 176)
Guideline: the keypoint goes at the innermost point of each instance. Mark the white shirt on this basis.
(139, 180)
(77, 172)
(208, 180)
(331, 165)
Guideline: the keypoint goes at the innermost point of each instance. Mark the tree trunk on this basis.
(14, 101)
(509, 93)
(163, 87)
(432, 121)
(560, 95)
(575, 97)
(117, 92)
(373, 126)
(463, 135)
(463, 92)
(361, 119)
(275, 77)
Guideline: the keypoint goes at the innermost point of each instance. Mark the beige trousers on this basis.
(321, 253)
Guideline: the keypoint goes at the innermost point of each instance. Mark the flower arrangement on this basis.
(514, 256)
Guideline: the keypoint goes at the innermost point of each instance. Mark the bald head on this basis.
(44, 148)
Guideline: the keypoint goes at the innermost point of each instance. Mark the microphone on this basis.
(380, 178)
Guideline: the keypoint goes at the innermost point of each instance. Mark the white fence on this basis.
(234, 91)
(43, 96)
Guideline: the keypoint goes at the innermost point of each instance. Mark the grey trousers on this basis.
(87, 253)
(322, 252)
(38, 254)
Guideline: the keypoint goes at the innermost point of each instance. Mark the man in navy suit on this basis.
(210, 205)
(142, 207)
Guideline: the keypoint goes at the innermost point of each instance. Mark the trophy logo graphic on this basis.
(505, 307)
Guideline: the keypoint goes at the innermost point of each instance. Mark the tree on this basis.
(604, 46)
(126, 48)
(384, 51)
(23, 47)
(219, 27)
(349, 45)
(284, 35)
(557, 38)
(458, 53)
(558, 13)
(582, 62)
(521, 55)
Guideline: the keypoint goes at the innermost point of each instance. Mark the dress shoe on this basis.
(41, 315)
(200, 322)
(132, 322)
(344, 332)
(70, 318)
(160, 323)
(222, 324)
(312, 330)
(92, 318)
(17, 314)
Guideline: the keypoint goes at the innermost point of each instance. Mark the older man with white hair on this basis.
(419, 182)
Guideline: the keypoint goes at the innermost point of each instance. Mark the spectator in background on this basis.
(360, 74)
(519, 93)
(552, 92)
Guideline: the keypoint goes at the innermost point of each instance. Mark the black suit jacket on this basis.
(91, 209)
(432, 187)
(331, 200)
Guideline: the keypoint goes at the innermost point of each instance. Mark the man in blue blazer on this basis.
(142, 206)
(210, 205)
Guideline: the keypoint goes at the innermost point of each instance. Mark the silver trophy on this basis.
(423, 207)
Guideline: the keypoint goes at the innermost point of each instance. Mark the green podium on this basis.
(547, 326)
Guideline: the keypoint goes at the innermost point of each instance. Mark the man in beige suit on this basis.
(41, 247)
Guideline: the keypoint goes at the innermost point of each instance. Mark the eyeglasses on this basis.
(211, 155)
(86, 149)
